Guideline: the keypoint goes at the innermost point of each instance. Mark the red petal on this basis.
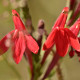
(31, 44)
(50, 40)
(62, 44)
(16, 34)
(60, 22)
(75, 27)
(17, 21)
(18, 47)
(4, 43)
(73, 40)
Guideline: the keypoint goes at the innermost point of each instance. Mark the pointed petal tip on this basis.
(16, 59)
(15, 13)
(65, 10)
(36, 51)
(17, 62)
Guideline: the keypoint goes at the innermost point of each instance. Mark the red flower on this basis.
(75, 29)
(62, 37)
(60, 22)
(20, 39)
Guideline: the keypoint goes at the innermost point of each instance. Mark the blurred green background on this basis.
(48, 10)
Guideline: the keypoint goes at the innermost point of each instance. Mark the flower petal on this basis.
(75, 27)
(17, 21)
(60, 22)
(31, 44)
(50, 40)
(61, 42)
(18, 47)
(5, 43)
(73, 40)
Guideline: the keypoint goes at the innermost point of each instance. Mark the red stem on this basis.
(52, 65)
(45, 56)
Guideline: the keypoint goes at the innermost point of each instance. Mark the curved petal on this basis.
(5, 43)
(17, 21)
(61, 42)
(73, 40)
(60, 22)
(31, 44)
(75, 27)
(50, 40)
(18, 47)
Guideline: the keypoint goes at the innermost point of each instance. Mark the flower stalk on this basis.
(59, 72)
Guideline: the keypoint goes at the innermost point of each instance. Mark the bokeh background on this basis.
(48, 10)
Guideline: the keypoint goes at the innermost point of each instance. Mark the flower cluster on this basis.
(22, 42)
(62, 38)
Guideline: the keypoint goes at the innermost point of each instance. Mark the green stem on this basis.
(59, 72)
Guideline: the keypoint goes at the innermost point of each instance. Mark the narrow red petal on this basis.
(75, 27)
(50, 40)
(73, 40)
(18, 47)
(17, 21)
(61, 42)
(60, 22)
(31, 44)
(5, 43)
